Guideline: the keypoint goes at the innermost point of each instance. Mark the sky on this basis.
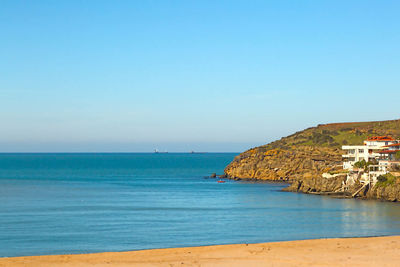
(217, 76)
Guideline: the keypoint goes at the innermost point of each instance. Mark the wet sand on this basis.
(371, 251)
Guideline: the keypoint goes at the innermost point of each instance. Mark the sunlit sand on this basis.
(372, 251)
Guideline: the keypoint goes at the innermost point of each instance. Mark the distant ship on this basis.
(158, 152)
(193, 152)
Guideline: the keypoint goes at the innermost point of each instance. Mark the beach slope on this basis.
(372, 251)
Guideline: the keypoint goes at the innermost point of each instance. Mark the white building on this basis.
(388, 155)
(370, 151)
(388, 152)
(380, 150)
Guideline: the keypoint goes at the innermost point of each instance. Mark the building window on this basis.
(361, 151)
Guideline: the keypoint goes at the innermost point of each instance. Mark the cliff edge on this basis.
(302, 157)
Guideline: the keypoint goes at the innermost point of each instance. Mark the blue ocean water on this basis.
(80, 203)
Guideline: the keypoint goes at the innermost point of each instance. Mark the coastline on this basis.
(320, 160)
(362, 251)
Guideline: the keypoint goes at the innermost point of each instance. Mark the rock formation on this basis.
(284, 164)
(301, 158)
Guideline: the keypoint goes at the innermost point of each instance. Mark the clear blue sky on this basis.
(182, 75)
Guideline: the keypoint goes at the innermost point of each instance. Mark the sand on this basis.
(372, 251)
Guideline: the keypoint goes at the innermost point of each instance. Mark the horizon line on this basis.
(131, 152)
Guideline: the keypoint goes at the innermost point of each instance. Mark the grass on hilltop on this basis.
(336, 134)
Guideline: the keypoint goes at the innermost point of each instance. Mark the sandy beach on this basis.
(371, 251)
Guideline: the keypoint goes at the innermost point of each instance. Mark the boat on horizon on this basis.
(156, 151)
(194, 152)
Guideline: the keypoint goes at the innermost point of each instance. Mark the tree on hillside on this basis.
(360, 164)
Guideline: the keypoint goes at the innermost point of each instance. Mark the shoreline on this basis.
(289, 189)
(353, 251)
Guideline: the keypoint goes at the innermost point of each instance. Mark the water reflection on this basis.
(311, 216)
(92, 203)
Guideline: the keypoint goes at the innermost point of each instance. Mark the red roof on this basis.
(380, 138)
(388, 151)
(398, 144)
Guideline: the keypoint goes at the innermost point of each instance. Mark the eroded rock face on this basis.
(333, 185)
(317, 184)
(284, 164)
(388, 193)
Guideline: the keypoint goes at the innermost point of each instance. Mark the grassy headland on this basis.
(302, 157)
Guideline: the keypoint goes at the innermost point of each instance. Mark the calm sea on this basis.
(79, 203)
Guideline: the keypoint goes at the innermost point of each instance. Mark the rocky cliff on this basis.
(333, 186)
(317, 184)
(389, 192)
(284, 164)
(301, 158)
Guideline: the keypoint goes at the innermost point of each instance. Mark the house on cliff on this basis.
(380, 154)
(389, 155)
(375, 149)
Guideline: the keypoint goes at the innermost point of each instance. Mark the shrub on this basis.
(360, 164)
(382, 178)
(346, 129)
(262, 149)
(385, 180)
(319, 138)
(334, 133)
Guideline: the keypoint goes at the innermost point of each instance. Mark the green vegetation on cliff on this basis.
(337, 134)
(386, 180)
(306, 153)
